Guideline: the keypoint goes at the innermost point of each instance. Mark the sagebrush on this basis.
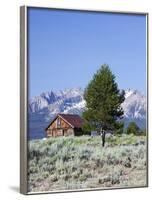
(65, 163)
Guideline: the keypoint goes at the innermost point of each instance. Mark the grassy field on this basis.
(69, 163)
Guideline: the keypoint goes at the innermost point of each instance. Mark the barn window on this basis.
(58, 123)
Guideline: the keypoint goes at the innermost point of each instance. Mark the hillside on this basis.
(67, 163)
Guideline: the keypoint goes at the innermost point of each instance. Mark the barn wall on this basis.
(57, 132)
(49, 132)
(60, 132)
(63, 124)
(69, 132)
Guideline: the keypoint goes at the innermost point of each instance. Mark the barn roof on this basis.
(72, 119)
(75, 120)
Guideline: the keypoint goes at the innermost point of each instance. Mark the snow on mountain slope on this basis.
(134, 105)
(39, 102)
(57, 101)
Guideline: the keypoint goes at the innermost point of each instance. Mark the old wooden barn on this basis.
(65, 125)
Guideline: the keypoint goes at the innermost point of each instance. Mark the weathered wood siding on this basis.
(63, 124)
(63, 130)
(69, 131)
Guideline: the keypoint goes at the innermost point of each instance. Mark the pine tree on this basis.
(103, 102)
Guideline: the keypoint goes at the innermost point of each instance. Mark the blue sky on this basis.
(66, 48)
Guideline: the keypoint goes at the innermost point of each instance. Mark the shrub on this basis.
(133, 128)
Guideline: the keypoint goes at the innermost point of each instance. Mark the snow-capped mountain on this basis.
(44, 107)
(55, 102)
(134, 105)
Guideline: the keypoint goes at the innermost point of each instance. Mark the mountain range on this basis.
(41, 109)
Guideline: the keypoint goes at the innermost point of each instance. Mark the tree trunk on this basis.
(103, 138)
